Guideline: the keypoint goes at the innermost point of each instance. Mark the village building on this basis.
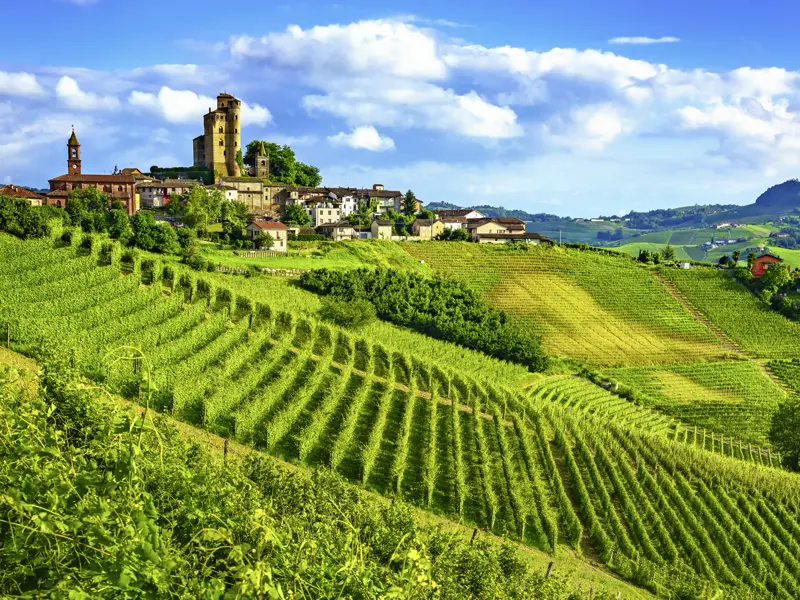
(276, 229)
(457, 219)
(14, 191)
(119, 186)
(155, 194)
(216, 149)
(230, 193)
(760, 264)
(341, 230)
(426, 229)
(518, 237)
(137, 174)
(381, 230)
(493, 226)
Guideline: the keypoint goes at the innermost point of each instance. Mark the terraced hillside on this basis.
(565, 464)
(587, 306)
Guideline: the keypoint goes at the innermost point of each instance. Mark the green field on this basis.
(731, 398)
(751, 324)
(550, 461)
(606, 310)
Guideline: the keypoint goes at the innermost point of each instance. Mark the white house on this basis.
(231, 193)
(155, 194)
(457, 219)
(276, 229)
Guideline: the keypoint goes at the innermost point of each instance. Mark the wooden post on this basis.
(549, 568)
(140, 392)
(225, 453)
(474, 533)
(250, 324)
(204, 414)
(8, 335)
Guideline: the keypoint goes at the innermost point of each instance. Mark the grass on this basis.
(318, 255)
(734, 398)
(606, 310)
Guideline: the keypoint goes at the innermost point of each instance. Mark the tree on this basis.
(119, 226)
(751, 259)
(410, 204)
(776, 277)
(723, 261)
(264, 241)
(785, 431)
(644, 256)
(200, 206)
(454, 235)
(307, 175)
(166, 240)
(234, 218)
(669, 252)
(296, 215)
(239, 161)
(735, 255)
(143, 231)
(426, 214)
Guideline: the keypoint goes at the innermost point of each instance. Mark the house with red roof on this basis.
(277, 230)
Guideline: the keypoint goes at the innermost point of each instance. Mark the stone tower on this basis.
(262, 162)
(216, 149)
(73, 155)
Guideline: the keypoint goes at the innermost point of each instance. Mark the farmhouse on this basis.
(493, 226)
(524, 237)
(426, 229)
(341, 230)
(761, 263)
(155, 194)
(381, 230)
(18, 192)
(276, 229)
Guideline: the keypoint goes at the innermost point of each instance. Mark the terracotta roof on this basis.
(500, 220)
(222, 187)
(243, 179)
(380, 193)
(131, 171)
(87, 178)
(18, 192)
(770, 256)
(269, 225)
(424, 222)
(58, 194)
(453, 219)
(73, 140)
(528, 235)
(382, 223)
(332, 225)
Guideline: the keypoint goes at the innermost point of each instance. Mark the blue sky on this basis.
(573, 108)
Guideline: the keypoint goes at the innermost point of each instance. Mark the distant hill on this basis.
(494, 211)
(786, 194)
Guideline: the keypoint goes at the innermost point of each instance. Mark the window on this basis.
(119, 188)
(74, 153)
(235, 143)
(221, 143)
(235, 131)
(220, 130)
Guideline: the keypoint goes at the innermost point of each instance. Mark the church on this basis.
(119, 186)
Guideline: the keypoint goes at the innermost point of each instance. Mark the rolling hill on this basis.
(552, 461)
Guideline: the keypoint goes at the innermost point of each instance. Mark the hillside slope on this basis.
(566, 464)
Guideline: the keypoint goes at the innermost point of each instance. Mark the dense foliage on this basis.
(100, 502)
(283, 166)
(20, 219)
(351, 314)
(439, 307)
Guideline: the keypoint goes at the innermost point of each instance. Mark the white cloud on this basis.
(386, 47)
(363, 138)
(19, 84)
(392, 104)
(70, 93)
(185, 106)
(587, 128)
(644, 40)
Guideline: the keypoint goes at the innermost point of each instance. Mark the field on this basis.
(318, 255)
(604, 310)
(733, 398)
(751, 324)
(562, 465)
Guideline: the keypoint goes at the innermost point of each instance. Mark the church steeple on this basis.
(262, 162)
(73, 155)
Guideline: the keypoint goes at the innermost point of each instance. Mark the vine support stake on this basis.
(474, 533)
(225, 453)
(549, 568)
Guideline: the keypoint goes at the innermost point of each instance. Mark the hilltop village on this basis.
(339, 213)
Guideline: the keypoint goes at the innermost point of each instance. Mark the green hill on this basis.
(552, 462)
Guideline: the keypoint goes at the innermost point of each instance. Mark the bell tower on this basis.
(262, 162)
(73, 155)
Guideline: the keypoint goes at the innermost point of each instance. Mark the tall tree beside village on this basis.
(410, 204)
(294, 214)
(283, 165)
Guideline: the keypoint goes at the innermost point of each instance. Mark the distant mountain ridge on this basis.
(497, 212)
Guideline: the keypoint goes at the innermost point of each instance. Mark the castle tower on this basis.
(221, 138)
(73, 155)
(262, 162)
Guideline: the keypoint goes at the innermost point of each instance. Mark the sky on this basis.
(575, 108)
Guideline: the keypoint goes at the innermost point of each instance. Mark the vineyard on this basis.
(752, 325)
(565, 464)
(734, 398)
(589, 306)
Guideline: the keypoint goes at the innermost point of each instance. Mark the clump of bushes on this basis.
(353, 315)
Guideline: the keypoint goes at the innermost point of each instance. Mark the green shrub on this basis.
(353, 315)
